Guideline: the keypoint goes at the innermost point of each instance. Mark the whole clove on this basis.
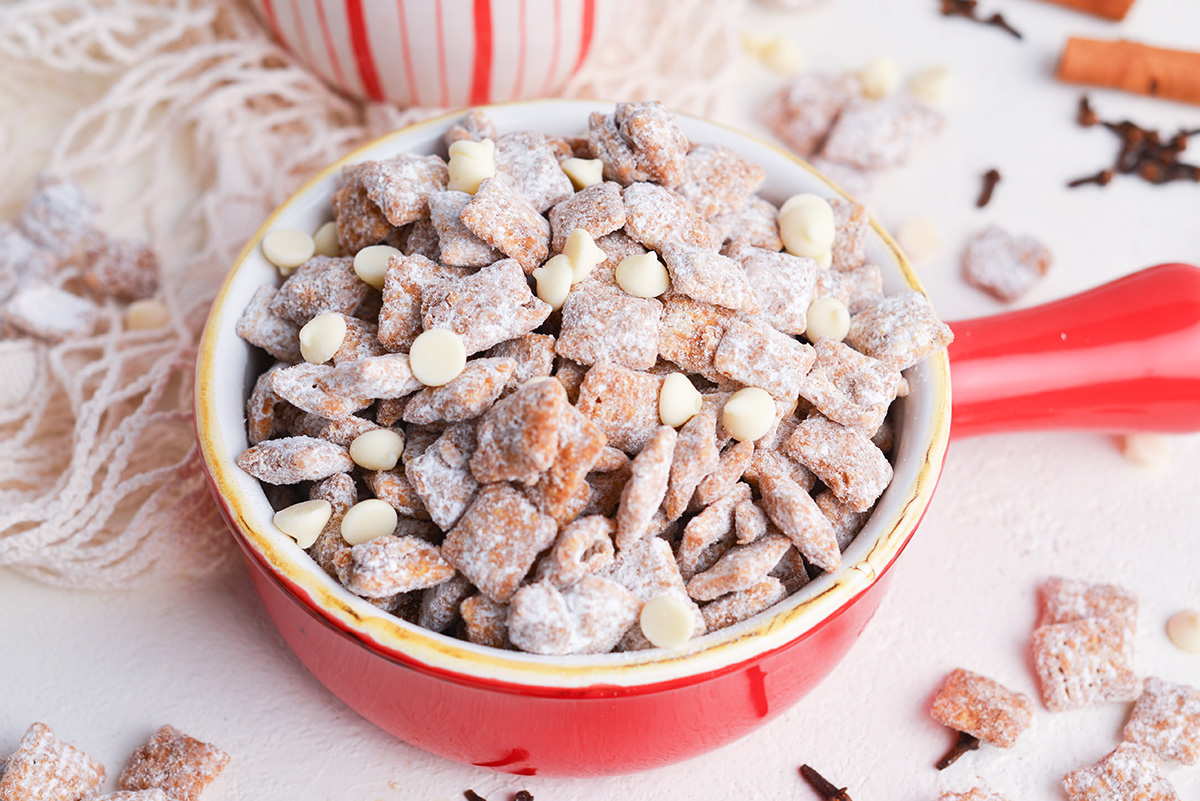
(523, 795)
(1143, 152)
(823, 787)
(471, 795)
(969, 10)
(990, 179)
(964, 743)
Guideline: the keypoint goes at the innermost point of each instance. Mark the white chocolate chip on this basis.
(378, 449)
(537, 379)
(321, 337)
(370, 263)
(827, 317)
(782, 57)
(1148, 450)
(748, 414)
(554, 279)
(755, 43)
(678, 400)
(933, 85)
(667, 621)
(366, 520)
(326, 241)
(880, 78)
(806, 225)
(919, 238)
(584, 254)
(143, 314)
(643, 275)
(437, 357)
(303, 521)
(470, 163)
(287, 248)
(1184, 630)
(583, 172)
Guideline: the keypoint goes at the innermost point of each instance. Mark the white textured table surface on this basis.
(104, 670)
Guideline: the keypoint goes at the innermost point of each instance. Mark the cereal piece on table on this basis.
(795, 512)
(599, 210)
(44, 767)
(532, 354)
(974, 794)
(849, 244)
(469, 395)
(400, 187)
(502, 217)
(802, 113)
(655, 216)
(340, 492)
(648, 569)
(119, 268)
(1085, 662)
(696, 455)
(320, 284)
(845, 521)
(1066, 600)
(647, 486)
(1166, 719)
(178, 764)
(259, 326)
(740, 568)
(360, 223)
(983, 708)
(710, 534)
(901, 330)
(744, 604)
(57, 215)
(1129, 773)
(439, 603)
(757, 355)
(719, 180)
(529, 161)
(690, 332)
(755, 224)
(485, 309)
(475, 126)
(388, 565)
(731, 464)
(709, 277)
(561, 492)
(441, 475)
(749, 522)
(589, 617)
(151, 794)
(486, 621)
(583, 548)
(602, 323)
(385, 376)
(457, 245)
(877, 134)
(518, 437)
(784, 283)
(50, 313)
(639, 142)
(407, 277)
(850, 388)
(1003, 265)
(361, 341)
(303, 386)
(293, 459)
(394, 488)
(497, 540)
(845, 459)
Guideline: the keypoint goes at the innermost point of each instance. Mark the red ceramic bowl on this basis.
(584, 715)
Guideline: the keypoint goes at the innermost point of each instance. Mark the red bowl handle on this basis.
(1124, 356)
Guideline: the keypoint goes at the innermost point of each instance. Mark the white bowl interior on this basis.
(921, 422)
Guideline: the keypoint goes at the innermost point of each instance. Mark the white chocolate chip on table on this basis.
(554, 280)
(379, 449)
(322, 336)
(370, 263)
(437, 357)
(583, 172)
(782, 57)
(827, 317)
(667, 620)
(880, 78)
(287, 248)
(678, 400)
(919, 238)
(303, 521)
(933, 85)
(368, 519)
(470, 163)
(1146, 449)
(643, 275)
(748, 414)
(1184, 630)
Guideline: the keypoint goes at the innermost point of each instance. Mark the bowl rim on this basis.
(630, 672)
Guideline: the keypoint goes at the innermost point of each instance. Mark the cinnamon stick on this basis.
(1134, 67)
(1109, 9)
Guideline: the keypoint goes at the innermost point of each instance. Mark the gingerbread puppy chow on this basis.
(174, 762)
(44, 767)
(983, 708)
(1166, 719)
(1129, 773)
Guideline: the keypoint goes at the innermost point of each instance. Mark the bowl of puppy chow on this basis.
(571, 438)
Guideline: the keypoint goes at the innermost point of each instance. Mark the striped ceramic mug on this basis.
(446, 53)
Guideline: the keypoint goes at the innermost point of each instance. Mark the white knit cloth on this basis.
(188, 124)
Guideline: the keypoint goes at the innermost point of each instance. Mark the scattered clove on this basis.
(471, 795)
(990, 179)
(823, 786)
(1143, 151)
(964, 743)
(969, 10)
(523, 795)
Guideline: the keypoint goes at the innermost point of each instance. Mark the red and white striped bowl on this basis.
(446, 53)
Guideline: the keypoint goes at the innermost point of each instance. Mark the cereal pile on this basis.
(170, 766)
(572, 395)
